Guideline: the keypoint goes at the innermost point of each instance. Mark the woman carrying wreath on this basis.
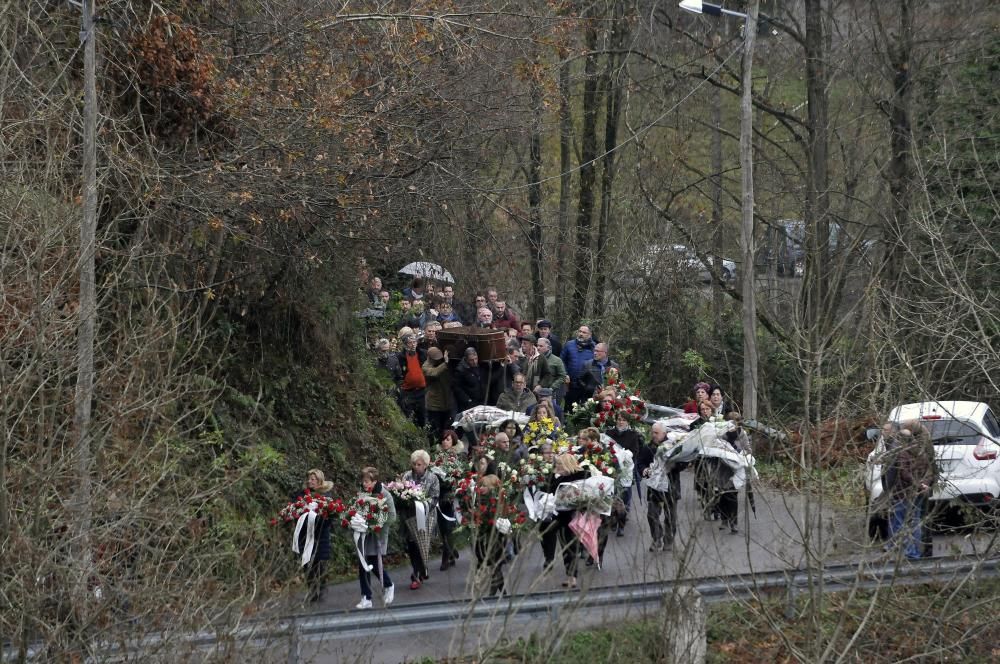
(446, 520)
(418, 534)
(704, 471)
(376, 545)
(548, 526)
(317, 484)
(490, 541)
(591, 437)
(567, 469)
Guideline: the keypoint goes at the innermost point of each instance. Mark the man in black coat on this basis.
(544, 331)
(468, 385)
(661, 501)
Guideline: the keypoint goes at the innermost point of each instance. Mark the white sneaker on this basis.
(389, 595)
(365, 603)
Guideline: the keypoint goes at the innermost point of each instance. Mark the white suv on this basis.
(965, 435)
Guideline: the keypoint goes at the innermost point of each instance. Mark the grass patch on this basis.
(953, 623)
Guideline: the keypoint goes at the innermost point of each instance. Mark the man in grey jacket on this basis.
(518, 398)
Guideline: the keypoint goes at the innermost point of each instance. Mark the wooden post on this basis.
(684, 627)
(84, 395)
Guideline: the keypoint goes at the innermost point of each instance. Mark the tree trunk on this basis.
(588, 153)
(535, 203)
(899, 171)
(612, 112)
(565, 186)
(717, 234)
(81, 547)
(816, 288)
(746, 228)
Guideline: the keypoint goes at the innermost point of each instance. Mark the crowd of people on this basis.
(570, 419)
(433, 387)
(559, 469)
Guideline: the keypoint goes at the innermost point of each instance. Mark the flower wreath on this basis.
(599, 412)
(533, 472)
(325, 507)
(536, 431)
(599, 459)
(484, 506)
(373, 509)
(449, 468)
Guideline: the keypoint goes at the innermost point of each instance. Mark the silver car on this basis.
(967, 452)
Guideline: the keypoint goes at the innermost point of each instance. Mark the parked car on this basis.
(784, 247)
(966, 437)
(678, 258)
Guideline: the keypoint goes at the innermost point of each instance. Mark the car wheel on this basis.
(726, 274)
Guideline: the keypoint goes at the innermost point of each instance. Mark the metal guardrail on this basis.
(359, 625)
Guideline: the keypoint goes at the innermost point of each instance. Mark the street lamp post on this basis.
(747, 202)
(699, 7)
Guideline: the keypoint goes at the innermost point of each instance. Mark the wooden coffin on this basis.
(489, 344)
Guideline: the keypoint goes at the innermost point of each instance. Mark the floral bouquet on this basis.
(417, 512)
(533, 472)
(536, 432)
(366, 508)
(305, 511)
(323, 506)
(406, 492)
(599, 459)
(449, 468)
(367, 513)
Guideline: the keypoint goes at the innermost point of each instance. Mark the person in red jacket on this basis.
(700, 391)
(505, 317)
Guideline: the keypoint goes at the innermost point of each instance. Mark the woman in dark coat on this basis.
(317, 484)
(489, 543)
(446, 520)
(722, 407)
(567, 469)
(548, 526)
(704, 471)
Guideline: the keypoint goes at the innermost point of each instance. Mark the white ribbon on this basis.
(359, 548)
(540, 505)
(360, 528)
(529, 504)
(546, 505)
(444, 516)
(421, 509)
(308, 519)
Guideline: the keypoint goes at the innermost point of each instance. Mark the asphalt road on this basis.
(785, 530)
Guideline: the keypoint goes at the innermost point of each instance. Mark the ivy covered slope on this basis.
(301, 391)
